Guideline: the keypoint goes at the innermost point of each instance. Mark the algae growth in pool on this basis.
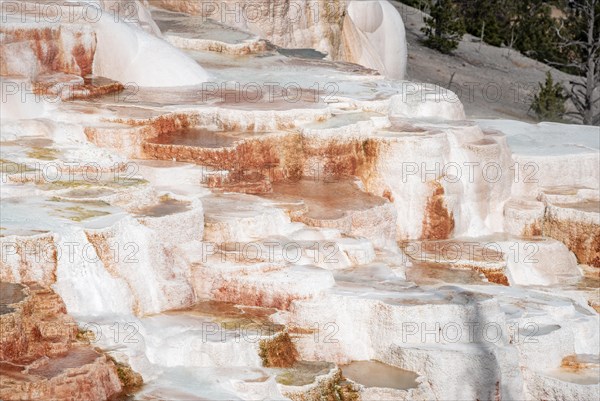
(377, 374)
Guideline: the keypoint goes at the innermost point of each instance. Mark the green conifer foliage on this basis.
(549, 103)
(445, 27)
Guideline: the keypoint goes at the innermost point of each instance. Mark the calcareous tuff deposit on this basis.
(196, 206)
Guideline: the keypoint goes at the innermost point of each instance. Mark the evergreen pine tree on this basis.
(549, 103)
(488, 19)
(445, 27)
(536, 31)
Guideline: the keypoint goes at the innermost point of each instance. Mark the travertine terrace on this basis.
(196, 207)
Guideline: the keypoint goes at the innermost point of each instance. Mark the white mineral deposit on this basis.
(250, 200)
